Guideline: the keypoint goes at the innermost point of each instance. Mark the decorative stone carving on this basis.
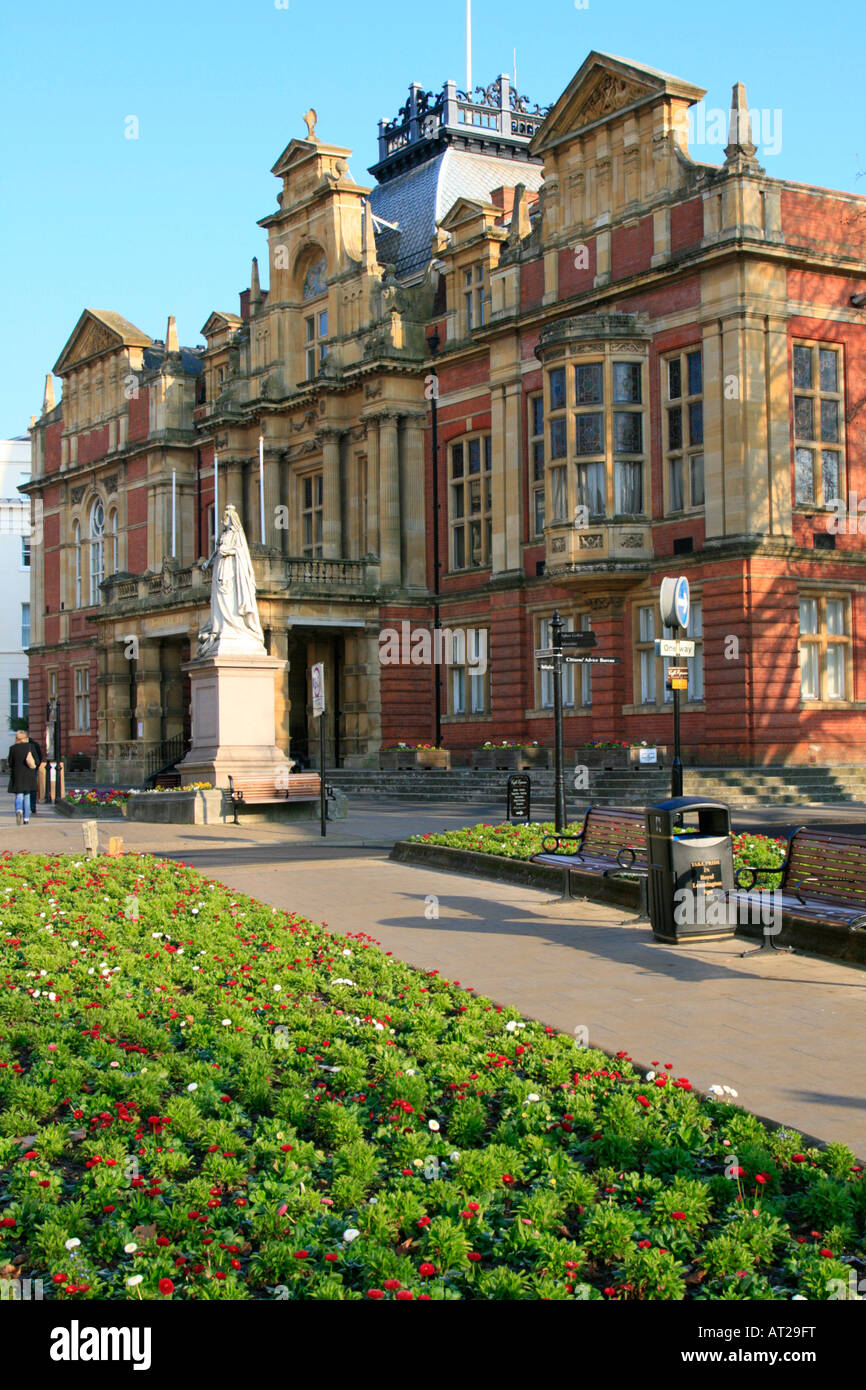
(611, 94)
(110, 483)
(557, 545)
(590, 540)
(77, 494)
(632, 541)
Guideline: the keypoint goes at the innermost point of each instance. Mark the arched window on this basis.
(76, 543)
(97, 550)
(314, 279)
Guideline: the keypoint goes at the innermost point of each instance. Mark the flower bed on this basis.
(522, 841)
(204, 1097)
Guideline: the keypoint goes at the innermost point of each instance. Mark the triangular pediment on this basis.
(603, 89)
(98, 333)
(299, 152)
(467, 210)
(220, 323)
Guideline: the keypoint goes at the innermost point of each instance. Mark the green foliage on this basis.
(214, 1092)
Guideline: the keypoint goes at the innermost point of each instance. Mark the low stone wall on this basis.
(817, 938)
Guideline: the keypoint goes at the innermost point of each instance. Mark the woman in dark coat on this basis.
(22, 779)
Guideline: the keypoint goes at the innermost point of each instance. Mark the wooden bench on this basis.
(611, 842)
(299, 786)
(823, 877)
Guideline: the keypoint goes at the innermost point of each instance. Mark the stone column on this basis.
(282, 700)
(389, 500)
(149, 692)
(332, 531)
(372, 542)
(232, 489)
(414, 473)
(273, 467)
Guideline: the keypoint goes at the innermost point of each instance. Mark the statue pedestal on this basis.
(233, 727)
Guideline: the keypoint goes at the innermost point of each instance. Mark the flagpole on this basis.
(262, 486)
(469, 49)
(216, 500)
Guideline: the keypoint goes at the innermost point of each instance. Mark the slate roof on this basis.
(421, 197)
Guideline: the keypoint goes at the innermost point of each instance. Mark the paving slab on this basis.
(787, 1032)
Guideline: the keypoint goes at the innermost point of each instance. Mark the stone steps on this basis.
(742, 787)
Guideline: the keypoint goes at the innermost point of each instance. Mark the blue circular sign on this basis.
(682, 601)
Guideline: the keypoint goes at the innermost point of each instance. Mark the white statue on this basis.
(234, 617)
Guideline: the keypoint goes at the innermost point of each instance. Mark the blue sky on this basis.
(167, 223)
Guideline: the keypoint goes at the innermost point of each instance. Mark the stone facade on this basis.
(643, 366)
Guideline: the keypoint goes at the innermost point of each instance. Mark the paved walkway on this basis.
(787, 1032)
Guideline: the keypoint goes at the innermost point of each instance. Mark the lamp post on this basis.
(52, 715)
(432, 386)
(556, 627)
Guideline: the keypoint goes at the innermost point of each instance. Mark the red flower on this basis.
(425, 1221)
(166, 1288)
(375, 1293)
(828, 1254)
(798, 1158)
(391, 1285)
(302, 1254)
(473, 1256)
(644, 1245)
(331, 1257)
(678, 1216)
(404, 1295)
(426, 1270)
(507, 1178)
(163, 1240)
(762, 1177)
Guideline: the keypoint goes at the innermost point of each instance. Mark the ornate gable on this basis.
(605, 87)
(97, 333)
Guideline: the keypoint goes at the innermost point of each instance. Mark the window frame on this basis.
(687, 452)
(463, 522)
(314, 514)
(81, 698)
(816, 446)
(644, 647)
(821, 641)
(470, 688)
(536, 449)
(562, 436)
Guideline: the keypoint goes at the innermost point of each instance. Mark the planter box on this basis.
(412, 759)
(602, 758)
(115, 811)
(510, 759)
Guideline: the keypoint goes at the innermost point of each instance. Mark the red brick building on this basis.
(645, 366)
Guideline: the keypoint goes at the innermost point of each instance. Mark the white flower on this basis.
(410, 1071)
(716, 1090)
(455, 1157)
(729, 1090)
(72, 1242)
(227, 1023)
(277, 989)
(156, 935)
(350, 1235)
(418, 1162)
(532, 1097)
(650, 1076)
(433, 1124)
(347, 952)
(131, 1248)
(134, 1279)
(510, 1026)
(114, 1064)
(193, 1086)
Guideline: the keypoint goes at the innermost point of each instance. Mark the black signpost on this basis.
(551, 659)
(518, 798)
